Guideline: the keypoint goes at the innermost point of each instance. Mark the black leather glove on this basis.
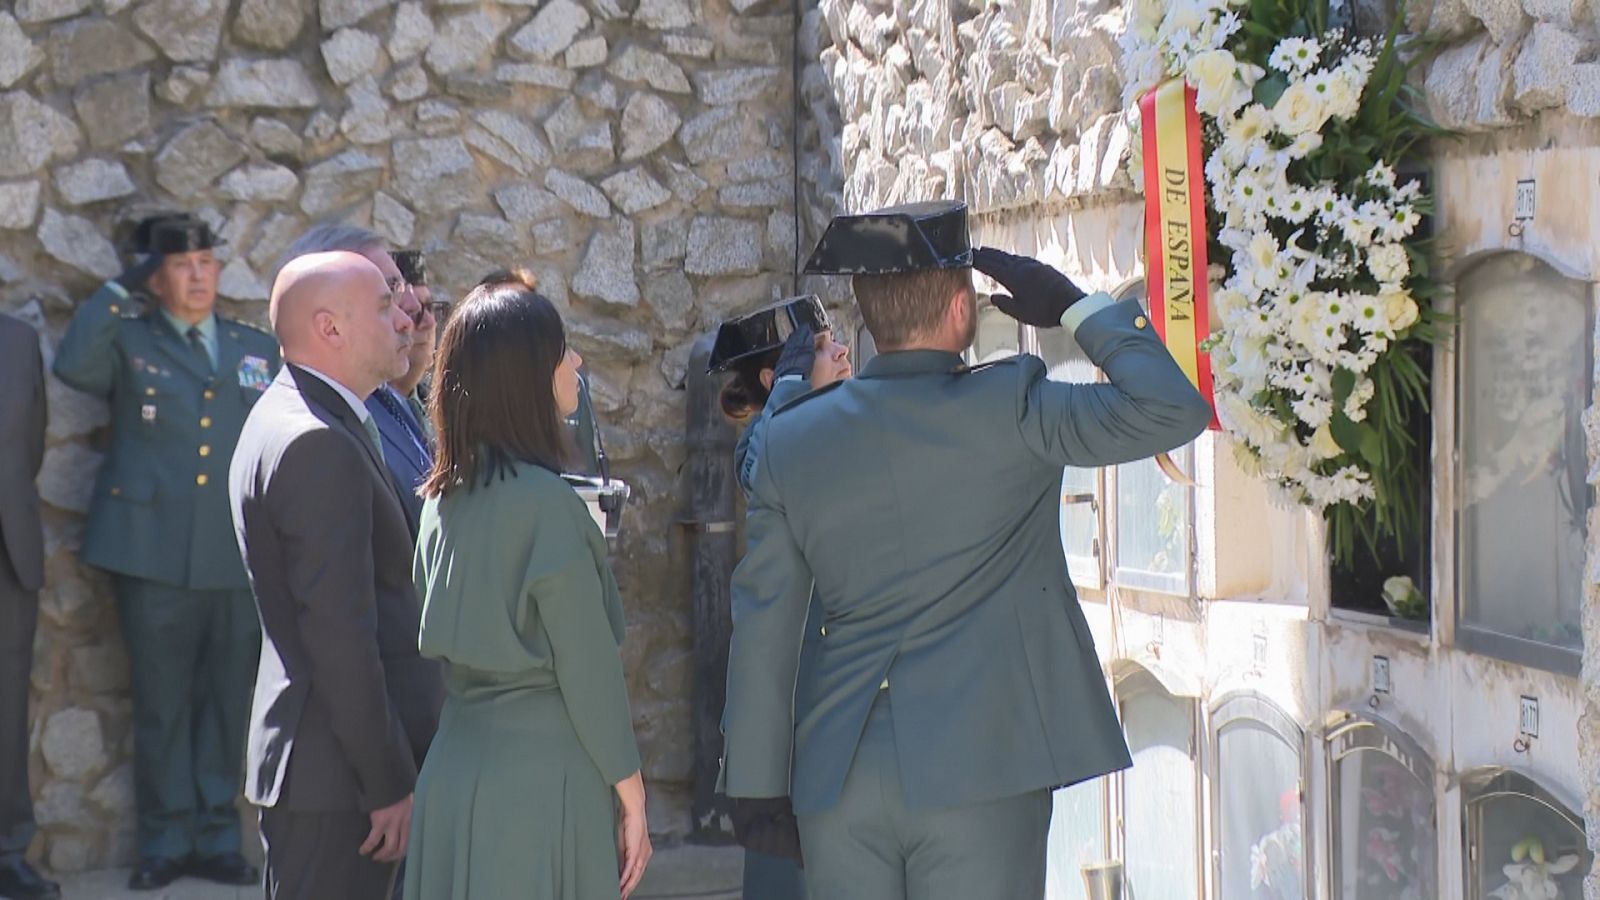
(799, 352)
(1039, 294)
(767, 826)
(137, 276)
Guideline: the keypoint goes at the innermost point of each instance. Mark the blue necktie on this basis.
(389, 403)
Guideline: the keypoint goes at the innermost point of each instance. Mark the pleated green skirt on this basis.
(509, 806)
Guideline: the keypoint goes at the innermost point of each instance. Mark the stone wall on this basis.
(636, 153)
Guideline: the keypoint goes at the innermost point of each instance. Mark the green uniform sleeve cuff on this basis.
(1085, 308)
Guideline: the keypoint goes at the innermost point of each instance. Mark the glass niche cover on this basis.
(1385, 826)
(1259, 807)
(1525, 380)
(1525, 844)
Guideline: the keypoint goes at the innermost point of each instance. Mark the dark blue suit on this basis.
(406, 448)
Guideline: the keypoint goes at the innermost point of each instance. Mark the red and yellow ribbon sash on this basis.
(1175, 230)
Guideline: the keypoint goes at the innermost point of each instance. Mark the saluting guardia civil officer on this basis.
(953, 682)
(180, 379)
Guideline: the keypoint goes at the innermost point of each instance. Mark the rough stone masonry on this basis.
(636, 153)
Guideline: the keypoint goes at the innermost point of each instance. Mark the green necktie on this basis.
(372, 432)
(197, 343)
(421, 412)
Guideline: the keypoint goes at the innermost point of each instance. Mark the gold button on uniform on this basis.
(115, 309)
(116, 492)
(205, 421)
(1140, 321)
(149, 392)
(211, 395)
(205, 449)
(201, 480)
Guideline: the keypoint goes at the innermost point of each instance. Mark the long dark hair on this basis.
(493, 402)
(744, 395)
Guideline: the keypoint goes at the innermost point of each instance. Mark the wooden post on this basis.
(710, 517)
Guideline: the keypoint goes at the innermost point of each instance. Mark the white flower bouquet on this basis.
(1324, 295)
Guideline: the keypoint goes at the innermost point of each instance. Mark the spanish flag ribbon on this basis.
(1175, 230)
(1175, 238)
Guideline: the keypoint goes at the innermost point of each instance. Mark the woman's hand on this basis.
(633, 833)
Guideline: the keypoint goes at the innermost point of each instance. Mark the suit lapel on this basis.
(319, 392)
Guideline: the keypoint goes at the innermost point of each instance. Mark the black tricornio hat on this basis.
(765, 330)
(139, 241)
(412, 265)
(181, 234)
(909, 238)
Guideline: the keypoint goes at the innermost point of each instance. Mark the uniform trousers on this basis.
(193, 656)
(870, 846)
(19, 616)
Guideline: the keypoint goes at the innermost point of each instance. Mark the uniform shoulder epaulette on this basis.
(1003, 361)
(808, 395)
(253, 330)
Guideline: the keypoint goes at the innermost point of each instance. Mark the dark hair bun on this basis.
(516, 276)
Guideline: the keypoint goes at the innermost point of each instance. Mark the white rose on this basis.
(1400, 309)
(1215, 77)
(1388, 263)
(1299, 110)
(1147, 16)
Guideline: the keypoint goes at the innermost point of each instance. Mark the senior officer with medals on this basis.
(954, 681)
(180, 380)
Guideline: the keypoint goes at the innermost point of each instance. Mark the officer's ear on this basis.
(767, 378)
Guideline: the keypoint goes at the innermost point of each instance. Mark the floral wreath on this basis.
(1323, 299)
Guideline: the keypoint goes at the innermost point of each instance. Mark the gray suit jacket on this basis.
(22, 422)
(919, 500)
(344, 704)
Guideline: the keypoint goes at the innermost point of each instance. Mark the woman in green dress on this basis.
(531, 789)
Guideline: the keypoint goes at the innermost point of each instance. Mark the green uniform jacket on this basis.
(919, 499)
(160, 505)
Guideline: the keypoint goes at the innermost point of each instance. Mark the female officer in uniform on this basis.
(766, 375)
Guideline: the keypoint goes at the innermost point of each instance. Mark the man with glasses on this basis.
(406, 444)
(180, 380)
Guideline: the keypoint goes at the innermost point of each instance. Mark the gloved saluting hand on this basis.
(137, 276)
(799, 352)
(1039, 294)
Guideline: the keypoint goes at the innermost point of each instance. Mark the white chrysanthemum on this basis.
(1369, 314)
(1298, 205)
(1388, 263)
(1356, 224)
(1295, 56)
(1303, 145)
(1241, 418)
(1398, 224)
(1381, 175)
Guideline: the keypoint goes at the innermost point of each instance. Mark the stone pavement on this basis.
(682, 872)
